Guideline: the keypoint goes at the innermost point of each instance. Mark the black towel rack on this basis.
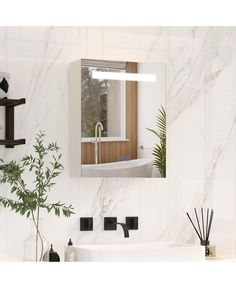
(9, 105)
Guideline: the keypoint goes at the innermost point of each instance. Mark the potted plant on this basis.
(159, 151)
(30, 198)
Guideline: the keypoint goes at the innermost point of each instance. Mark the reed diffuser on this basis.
(203, 232)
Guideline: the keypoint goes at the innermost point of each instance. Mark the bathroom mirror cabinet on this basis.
(117, 119)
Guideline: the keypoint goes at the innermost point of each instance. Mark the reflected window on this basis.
(102, 100)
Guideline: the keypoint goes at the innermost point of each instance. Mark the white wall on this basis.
(201, 130)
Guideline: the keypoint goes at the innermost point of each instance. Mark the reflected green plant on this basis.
(159, 151)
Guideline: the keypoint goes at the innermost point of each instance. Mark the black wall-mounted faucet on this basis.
(125, 229)
(110, 223)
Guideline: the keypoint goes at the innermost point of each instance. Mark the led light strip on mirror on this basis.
(124, 76)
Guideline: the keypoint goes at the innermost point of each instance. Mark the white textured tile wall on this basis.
(201, 64)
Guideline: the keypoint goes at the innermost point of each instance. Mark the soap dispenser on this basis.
(53, 256)
(70, 252)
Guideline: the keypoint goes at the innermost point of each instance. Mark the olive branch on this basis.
(29, 202)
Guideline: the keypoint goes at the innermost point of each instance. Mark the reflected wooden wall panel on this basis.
(111, 152)
(131, 110)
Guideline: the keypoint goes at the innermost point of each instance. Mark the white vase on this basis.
(36, 246)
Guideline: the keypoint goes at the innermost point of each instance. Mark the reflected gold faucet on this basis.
(98, 134)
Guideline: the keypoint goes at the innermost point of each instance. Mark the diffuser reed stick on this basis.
(200, 232)
(207, 221)
(209, 229)
(203, 229)
(194, 226)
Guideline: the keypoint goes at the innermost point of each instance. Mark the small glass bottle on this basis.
(36, 245)
(70, 252)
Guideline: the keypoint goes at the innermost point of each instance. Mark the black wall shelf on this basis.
(10, 104)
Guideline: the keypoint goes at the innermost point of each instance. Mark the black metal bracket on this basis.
(9, 105)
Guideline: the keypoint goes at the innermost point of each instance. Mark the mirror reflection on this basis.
(123, 119)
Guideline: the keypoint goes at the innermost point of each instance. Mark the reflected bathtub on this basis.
(131, 168)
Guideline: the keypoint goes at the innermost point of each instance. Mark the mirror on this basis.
(121, 127)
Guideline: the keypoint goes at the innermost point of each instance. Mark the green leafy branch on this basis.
(28, 201)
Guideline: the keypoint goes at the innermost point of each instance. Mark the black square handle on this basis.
(86, 224)
(110, 223)
(132, 222)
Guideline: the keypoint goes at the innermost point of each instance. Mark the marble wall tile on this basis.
(202, 82)
(201, 136)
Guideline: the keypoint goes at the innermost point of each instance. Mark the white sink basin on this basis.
(157, 251)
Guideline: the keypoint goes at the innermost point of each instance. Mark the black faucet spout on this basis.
(125, 229)
(110, 223)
